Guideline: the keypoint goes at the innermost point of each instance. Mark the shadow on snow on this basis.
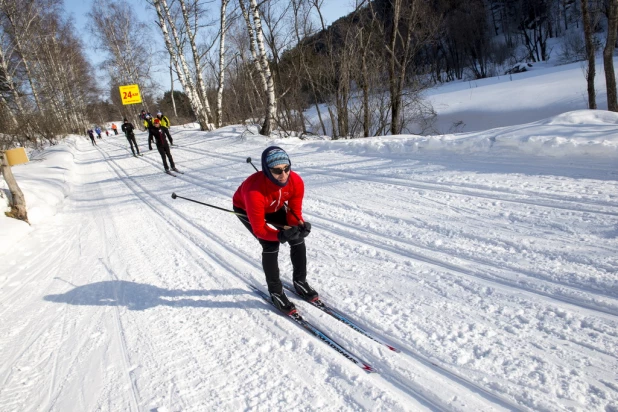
(139, 296)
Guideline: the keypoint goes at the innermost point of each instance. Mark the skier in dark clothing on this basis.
(165, 126)
(261, 197)
(91, 135)
(150, 128)
(142, 116)
(162, 146)
(128, 128)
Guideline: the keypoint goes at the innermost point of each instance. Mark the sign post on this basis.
(130, 94)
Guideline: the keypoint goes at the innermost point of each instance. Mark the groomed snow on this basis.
(489, 258)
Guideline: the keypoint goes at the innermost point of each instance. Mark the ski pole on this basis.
(174, 196)
(284, 203)
(249, 161)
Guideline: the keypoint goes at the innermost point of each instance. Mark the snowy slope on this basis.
(489, 258)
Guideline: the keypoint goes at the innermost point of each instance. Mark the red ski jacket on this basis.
(257, 195)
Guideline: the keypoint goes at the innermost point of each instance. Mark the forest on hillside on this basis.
(268, 62)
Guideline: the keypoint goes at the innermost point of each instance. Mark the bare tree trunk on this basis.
(223, 29)
(19, 32)
(252, 42)
(392, 69)
(591, 71)
(256, 37)
(182, 68)
(8, 111)
(172, 88)
(271, 110)
(201, 86)
(9, 82)
(608, 55)
(18, 201)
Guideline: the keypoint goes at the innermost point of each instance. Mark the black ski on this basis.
(170, 173)
(178, 171)
(299, 320)
(341, 317)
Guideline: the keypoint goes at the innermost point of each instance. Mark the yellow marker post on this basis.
(130, 94)
(16, 156)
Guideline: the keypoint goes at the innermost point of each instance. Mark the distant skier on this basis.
(106, 132)
(98, 132)
(162, 146)
(149, 126)
(115, 128)
(165, 125)
(127, 129)
(261, 197)
(91, 135)
(142, 116)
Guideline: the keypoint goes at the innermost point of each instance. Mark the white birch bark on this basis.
(271, 109)
(8, 110)
(254, 55)
(19, 32)
(9, 83)
(189, 85)
(191, 32)
(180, 64)
(219, 107)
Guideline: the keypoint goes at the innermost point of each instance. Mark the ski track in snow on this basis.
(495, 277)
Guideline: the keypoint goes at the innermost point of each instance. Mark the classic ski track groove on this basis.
(222, 263)
(407, 250)
(213, 258)
(455, 268)
(472, 191)
(441, 263)
(119, 329)
(452, 376)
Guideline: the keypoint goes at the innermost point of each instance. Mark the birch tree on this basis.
(190, 18)
(176, 52)
(21, 19)
(221, 72)
(251, 14)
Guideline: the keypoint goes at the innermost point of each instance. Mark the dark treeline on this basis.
(270, 62)
(365, 74)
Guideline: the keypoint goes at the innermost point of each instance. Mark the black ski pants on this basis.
(167, 133)
(164, 151)
(132, 142)
(270, 252)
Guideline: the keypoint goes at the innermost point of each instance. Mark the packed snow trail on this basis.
(494, 273)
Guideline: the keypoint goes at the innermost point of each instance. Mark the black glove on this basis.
(149, 147)
(305, 229)
(288, 234)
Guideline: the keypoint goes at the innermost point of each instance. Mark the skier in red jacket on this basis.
(262, 197)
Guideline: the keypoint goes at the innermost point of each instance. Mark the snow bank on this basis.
(576, 133)
(45, 181)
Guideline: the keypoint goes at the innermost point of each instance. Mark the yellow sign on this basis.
(16, 156)
(130, 94)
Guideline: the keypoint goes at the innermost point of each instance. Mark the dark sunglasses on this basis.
(277, 171)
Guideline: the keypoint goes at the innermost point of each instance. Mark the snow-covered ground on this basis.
(489, 258)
